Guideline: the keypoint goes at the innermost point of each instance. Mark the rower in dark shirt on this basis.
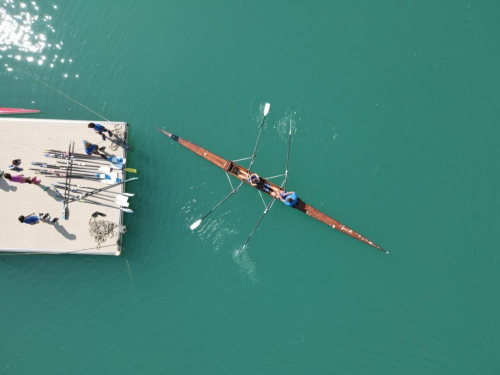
(256, 181)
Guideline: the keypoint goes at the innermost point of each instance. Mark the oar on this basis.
(49, 155)
(71, 154)
(82, 177)
(65, 204)
(121, 204)
(276, 194)
(102, 176)
(54, 173)
(268, 207)
(107, 187)
(117, 198)
(63, 168)
(288, 154)
(109, 169)
(115, 162)
(91, 188)
(127, 210)
(266, 111)
(197, 223)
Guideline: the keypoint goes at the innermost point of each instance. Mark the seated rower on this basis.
(289, 198)
(255, 180)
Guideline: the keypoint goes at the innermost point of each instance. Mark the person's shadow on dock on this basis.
(63, 231)
(52, 193)
(5, 186)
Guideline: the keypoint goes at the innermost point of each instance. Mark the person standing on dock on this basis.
(33, 219)
(99, 129)
(21, 179)
(93, 149)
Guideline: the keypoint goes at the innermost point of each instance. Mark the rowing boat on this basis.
(15, 111)
(244, 174)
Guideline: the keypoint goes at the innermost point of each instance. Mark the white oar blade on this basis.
(195, 225)
(128, 210)
(128, 194)
(117, 166)
(266, 109)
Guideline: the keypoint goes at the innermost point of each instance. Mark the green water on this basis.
(394, 109)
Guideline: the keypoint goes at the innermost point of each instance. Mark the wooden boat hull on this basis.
(243, 174)
(16, 111)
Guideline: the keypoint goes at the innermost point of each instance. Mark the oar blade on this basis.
(127, 210)
(122, 203)
(266, 109)
(195, 225)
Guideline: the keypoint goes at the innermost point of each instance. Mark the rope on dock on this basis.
(100, 230)
(118, 134)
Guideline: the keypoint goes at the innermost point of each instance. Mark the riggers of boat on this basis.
(243, 174)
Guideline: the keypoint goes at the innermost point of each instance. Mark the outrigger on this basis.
(274, 191)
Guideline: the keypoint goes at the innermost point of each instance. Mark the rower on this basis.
(257, 182)
(289, 198)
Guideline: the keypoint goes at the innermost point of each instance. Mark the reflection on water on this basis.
(26, 34)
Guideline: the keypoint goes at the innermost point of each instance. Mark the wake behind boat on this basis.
(264, 186)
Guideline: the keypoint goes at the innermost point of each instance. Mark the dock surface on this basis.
(26, 139)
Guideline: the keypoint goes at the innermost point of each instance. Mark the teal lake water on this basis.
(395, 116)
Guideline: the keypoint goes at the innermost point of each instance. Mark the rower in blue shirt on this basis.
(289, 198)
(99, 129)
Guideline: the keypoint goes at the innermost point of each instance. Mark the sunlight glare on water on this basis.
(27, 34)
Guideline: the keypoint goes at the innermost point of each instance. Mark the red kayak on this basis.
(15, 111)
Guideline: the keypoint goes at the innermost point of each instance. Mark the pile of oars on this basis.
(70, 165)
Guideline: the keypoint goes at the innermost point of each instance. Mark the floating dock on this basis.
(27, 139)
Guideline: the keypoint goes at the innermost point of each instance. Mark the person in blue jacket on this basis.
(93, 149)
(33, 219)
(99, 129)
(289, 198)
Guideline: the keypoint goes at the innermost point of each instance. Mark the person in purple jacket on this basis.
(21, 179)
